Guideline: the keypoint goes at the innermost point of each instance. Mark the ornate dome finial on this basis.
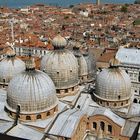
(30, 64)
(10, 52)
(77, 46)
(114, 62)
(59, 42)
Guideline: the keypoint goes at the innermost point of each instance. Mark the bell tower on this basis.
(98, 2)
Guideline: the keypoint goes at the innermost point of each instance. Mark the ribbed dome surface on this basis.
(33, 90)
(43, 61)
(9, 67)
(62, 67)
(83, 68)
(59, 41)
(91, 64)
(113, 82)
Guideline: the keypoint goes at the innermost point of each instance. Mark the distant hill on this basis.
(137, 2)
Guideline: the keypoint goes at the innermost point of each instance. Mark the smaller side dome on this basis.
(59, 41)
(10, 66)
(113, 86)
(91, 64)
(83, 68)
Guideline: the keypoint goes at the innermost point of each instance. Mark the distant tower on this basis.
(98, 2)
(11, 22)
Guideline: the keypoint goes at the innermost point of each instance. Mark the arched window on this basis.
(100, 102)
(122, 104)
(28, 117)
(38, 116)
(66, 90)
(119, 97)
(55, 109)
(57, 91)
(10, 113)
(102, 125)
(107, 104)
(115, 104)
(94, 125)
(72, 88)
(48, 114)
(110, 128)
(135, 100)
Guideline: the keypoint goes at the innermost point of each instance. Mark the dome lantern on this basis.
(114, 63)
(10, 53)
(59, 42)
(30, 64)
(77, 46)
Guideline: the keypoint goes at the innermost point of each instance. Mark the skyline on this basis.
(63, 3)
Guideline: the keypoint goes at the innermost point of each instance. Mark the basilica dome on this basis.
(91, 65)
(113, 86)
(83, 68)
(33, 91)
(10, 66)
(62, 66)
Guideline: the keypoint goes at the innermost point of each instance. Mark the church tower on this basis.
(98, 2)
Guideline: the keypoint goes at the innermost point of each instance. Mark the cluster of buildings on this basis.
(81, 85)
(67, 99)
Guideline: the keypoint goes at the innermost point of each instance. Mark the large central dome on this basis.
(62, 66)
(33, 91)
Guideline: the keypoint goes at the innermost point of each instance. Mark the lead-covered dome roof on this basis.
(83, 68)
(61, 65)
(91, 64)
(10, 66)
(33, 90)
(113, 83)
